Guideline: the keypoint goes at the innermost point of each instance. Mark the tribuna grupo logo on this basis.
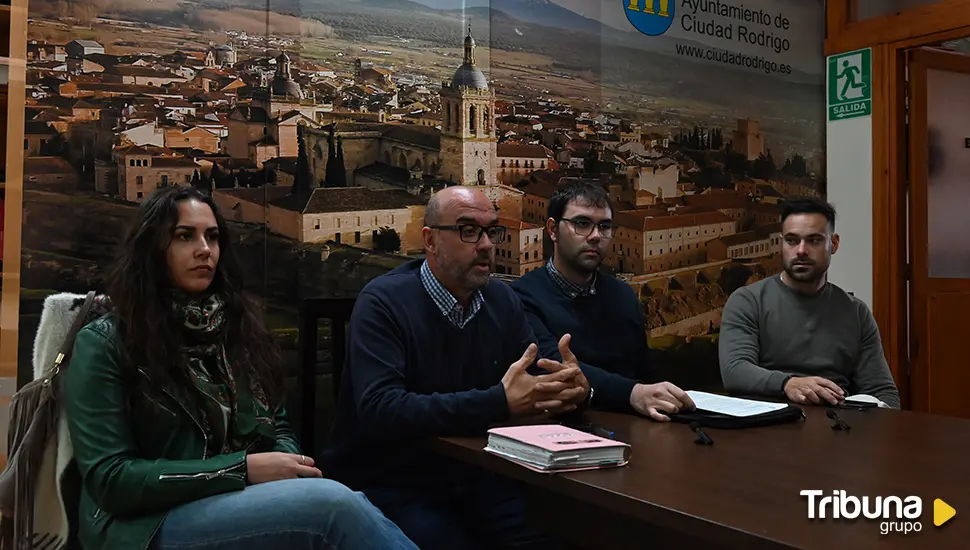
(897, 515)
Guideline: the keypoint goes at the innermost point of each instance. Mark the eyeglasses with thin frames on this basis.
(584, 228)
(472, 233)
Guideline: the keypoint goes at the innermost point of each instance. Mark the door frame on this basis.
(920, 61)
(889, 37)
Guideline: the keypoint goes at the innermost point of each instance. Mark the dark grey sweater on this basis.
(769, 330)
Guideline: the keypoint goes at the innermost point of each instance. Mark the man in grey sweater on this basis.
(795, 334)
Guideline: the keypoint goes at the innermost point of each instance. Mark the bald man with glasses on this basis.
(436, 348)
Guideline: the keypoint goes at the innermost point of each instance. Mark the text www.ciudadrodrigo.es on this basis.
(733, 58)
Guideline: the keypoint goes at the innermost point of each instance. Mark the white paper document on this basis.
(732, 406)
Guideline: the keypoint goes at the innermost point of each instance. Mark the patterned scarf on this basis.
(235, 418)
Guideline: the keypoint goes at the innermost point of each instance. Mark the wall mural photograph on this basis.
(321, 127)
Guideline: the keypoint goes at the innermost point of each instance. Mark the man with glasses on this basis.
(601, 313)
(436, 348)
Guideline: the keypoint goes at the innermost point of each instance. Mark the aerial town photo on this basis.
(321, 128)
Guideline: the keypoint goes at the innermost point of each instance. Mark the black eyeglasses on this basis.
(472, 233)
(584, 228)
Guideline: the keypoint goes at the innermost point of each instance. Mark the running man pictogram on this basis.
(850, 73)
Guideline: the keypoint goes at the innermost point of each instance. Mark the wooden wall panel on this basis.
(13, 210)
(890, 36)
(892, 29)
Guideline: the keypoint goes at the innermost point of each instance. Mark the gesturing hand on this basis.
(654, 400)
(263, 467)
(813, 389)
(522, 389)
(573, 391)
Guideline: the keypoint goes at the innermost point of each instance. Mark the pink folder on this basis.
(555, 448)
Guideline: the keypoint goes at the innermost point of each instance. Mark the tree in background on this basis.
(591, 163)
(717, 138)
(199, 182)
(336, 173)
(341, 170)
(220, 179)
(795, 166)
(303, 180)
(387, 240)
(764, 167)
(701, 138)
(734, 162)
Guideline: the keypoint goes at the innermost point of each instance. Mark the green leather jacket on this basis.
(139, 459)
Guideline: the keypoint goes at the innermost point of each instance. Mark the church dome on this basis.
(469, 76)
(286, 87)
(283, 83)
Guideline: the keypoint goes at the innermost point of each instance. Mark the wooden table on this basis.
(743, 492)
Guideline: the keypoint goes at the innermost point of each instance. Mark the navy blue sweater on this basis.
(607, 329)
(411, 375)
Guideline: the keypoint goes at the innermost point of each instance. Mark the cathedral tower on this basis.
(468, 124)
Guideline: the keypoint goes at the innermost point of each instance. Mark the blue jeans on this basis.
(297, 514)
(483, 512)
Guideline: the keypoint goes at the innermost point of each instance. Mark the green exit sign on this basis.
(850, 85)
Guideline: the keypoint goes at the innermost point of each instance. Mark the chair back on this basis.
(337, 311)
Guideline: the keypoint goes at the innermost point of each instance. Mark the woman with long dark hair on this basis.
(174, 405)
